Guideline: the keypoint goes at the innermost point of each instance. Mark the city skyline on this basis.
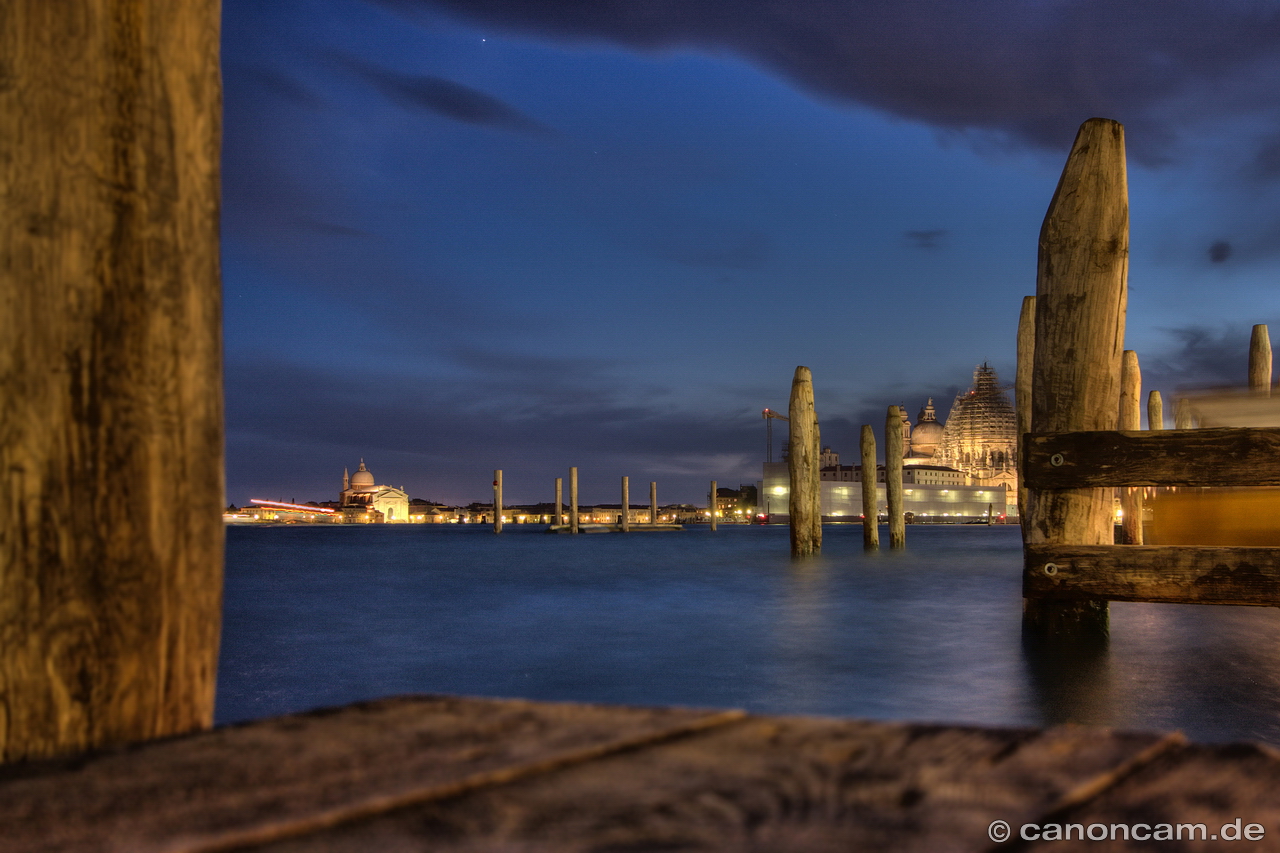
(467, 236)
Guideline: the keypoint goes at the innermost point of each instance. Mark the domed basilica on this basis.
(362, 500)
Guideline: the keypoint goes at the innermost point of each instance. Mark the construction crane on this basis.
(770, 416)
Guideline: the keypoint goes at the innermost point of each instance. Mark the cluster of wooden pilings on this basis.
(804, 449)
(571, 519)
(1078, 396)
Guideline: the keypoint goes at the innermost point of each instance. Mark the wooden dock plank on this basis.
(1199, 457)
(765, 784)
(1199, 784)
(270, 778)
(1180, 575)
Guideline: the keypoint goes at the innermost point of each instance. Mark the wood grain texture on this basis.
(1198, 784)
(110, 371)
(1203, 457)
(1180, 575)
(802, 465)
(300, 773)
(870, 510)
(893, 452)
(1081, 296)
(780, 784)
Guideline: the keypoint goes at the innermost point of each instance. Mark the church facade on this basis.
(362, 500)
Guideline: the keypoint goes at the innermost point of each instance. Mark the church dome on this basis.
(362, 479)
(925, 438)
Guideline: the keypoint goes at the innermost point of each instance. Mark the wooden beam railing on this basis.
(1181, 575)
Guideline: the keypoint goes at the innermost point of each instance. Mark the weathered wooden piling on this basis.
(1182, 417)
(802, 465)
(497, 501)
(893, 452)
(111, 535)
(653, 503)
(573, 500)
(1155, 411)
(870, 512)
(1260, 361)
(1081, 296)
(558, 519)
(626, 504)
(1130, 418)
(712, 507)
(1022, 390)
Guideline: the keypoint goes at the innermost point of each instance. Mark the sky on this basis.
(462, 235)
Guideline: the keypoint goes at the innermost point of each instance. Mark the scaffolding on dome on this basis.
(980, 436)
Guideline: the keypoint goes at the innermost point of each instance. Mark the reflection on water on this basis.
(326, 615)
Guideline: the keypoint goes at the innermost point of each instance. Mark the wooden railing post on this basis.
(1081, 296)
(110, 522)
(1260, 361)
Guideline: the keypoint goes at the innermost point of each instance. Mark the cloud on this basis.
(1219, 251)
(443, 97)
(1199, 357)
(925, 239)
(1030, 71)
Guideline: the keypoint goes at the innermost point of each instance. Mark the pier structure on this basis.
(1076, 452)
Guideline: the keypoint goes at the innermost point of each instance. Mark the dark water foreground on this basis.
(327, 615)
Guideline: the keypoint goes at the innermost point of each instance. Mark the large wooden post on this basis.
(573, 500)
(1081, 296)
(1022, 390)
(497, 501)
(1260, 361)
(111, 485)
(893, 452)
(802, 465)
(653, 503)
(870, 513)
(1130, 417)
(559, 516)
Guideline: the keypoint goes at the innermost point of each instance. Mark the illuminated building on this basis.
(980, 437)
(362, 500)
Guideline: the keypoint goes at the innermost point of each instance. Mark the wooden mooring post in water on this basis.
(558, 518)
(712, 508)
(653, 503)
(1130, 418)
(804, 501)
(1074, 455)
(111, 532)
(497, 501)
(573, 500)
(626, 505)
(893, 453)
(870, 507)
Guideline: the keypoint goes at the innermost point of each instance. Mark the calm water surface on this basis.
(323, 615)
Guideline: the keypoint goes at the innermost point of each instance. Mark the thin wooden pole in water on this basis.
(626, 504)
(559, 519)
(497, 501)
(893, 451)
(1130, 417)
(870, 511)
(1155, 411)
(573, 500)
(802, 465)
(653, 503)
(111, 531)
(1081, 296)
(713, 505)
(1260, 361)
(1022, 389)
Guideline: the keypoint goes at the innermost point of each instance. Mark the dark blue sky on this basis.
(460, 236)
